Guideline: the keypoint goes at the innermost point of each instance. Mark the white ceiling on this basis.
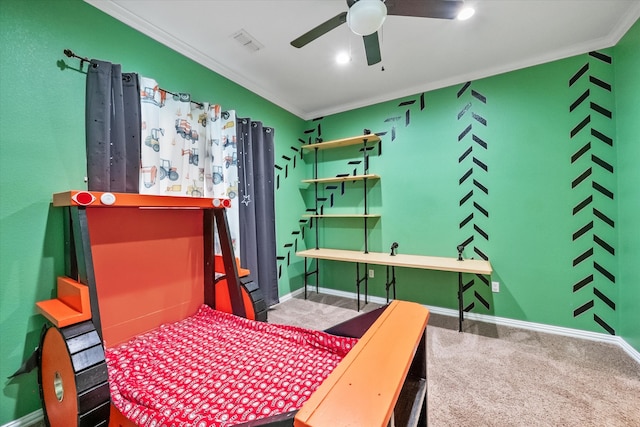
(418, 54)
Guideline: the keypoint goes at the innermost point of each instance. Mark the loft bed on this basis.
(151, 328)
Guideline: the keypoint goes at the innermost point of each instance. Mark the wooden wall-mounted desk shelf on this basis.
(337, 143)
(341, 178)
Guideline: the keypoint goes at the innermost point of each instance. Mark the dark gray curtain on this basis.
(112, 128)
(257, 205)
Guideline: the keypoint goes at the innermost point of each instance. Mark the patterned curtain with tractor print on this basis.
(187, 149)
(141, 138)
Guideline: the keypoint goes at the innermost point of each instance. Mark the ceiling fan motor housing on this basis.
(366, 16)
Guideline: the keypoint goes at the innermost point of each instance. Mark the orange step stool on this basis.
(71, 306)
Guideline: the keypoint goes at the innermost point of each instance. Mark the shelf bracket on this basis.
(308, 273)
(391, 282)
(365, 279)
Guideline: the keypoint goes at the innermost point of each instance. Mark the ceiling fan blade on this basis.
(372, 48)
(320, 30)
(442, 9)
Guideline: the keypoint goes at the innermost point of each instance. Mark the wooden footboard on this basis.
(382, 381)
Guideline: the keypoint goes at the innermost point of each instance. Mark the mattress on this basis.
(217, 369)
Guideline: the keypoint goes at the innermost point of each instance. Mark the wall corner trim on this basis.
(628, 349)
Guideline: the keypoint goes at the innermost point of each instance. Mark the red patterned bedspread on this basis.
(216, 369)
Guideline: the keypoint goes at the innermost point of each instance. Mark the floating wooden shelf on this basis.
(365, 216)
(342, 178)
(342, 216)
(354, 140)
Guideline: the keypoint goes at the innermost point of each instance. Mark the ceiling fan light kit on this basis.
(366, 16)
(343, 58)
(465, 13)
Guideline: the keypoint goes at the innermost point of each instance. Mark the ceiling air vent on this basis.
(247, 40)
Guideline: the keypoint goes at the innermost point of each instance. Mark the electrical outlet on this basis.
(371, 273)
(495, 286)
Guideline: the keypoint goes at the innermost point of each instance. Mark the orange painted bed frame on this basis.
(152, 261)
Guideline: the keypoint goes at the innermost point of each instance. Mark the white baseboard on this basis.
(27, 420)
(628, 349)
(532, 326)
(289, 296)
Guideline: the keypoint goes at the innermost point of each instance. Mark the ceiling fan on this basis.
(365, 17)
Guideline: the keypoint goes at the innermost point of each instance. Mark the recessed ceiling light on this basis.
(466, 13)
(343, 58)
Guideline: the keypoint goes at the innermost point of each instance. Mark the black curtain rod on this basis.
(82, 59)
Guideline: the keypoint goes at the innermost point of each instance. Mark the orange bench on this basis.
(383, 376)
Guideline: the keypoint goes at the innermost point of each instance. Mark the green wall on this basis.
(537, 166)
(527, 215)
(627, 55)
(42, 150)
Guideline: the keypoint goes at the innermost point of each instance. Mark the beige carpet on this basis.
(501, 376)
